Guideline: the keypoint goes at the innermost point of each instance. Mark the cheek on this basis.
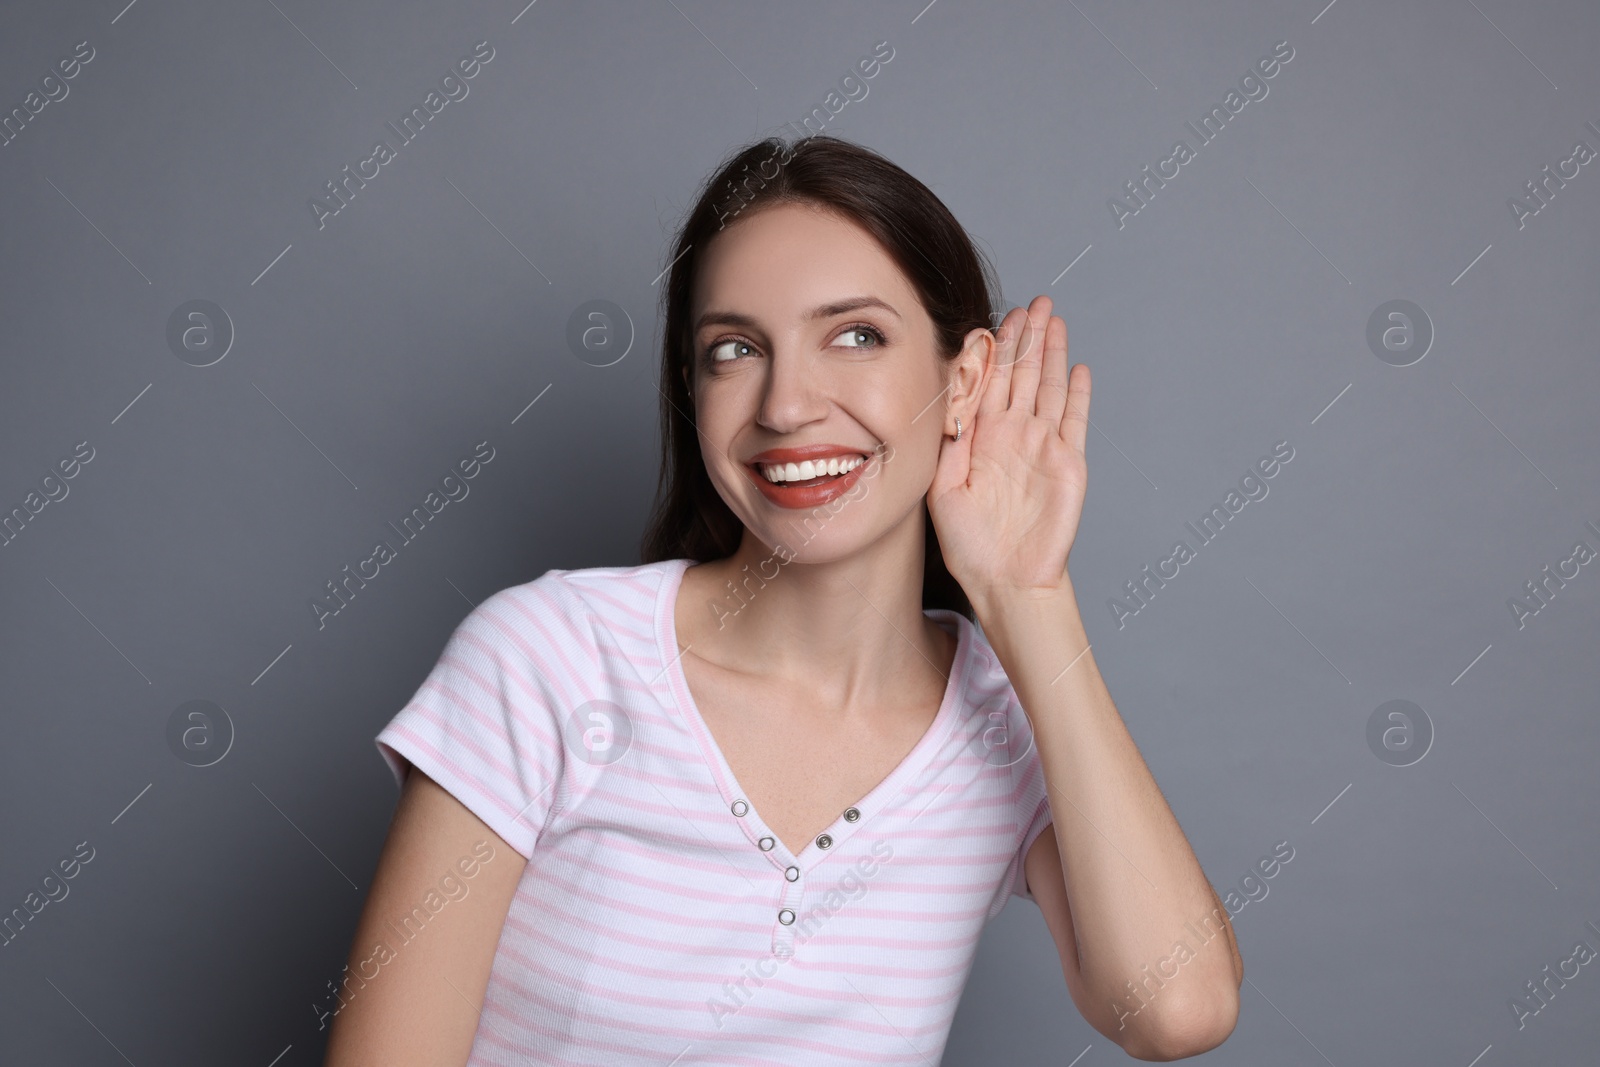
(909, 464)
(726, 475)
(911, 428)
(718, 423)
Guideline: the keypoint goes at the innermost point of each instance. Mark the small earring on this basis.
(958, 428)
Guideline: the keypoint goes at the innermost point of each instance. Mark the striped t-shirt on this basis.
(659, 920)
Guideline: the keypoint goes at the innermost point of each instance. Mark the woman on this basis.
(753, 800)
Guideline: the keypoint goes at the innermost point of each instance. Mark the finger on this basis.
(1052, 397)
(1075, 420)
(997, 390)
(1030, 356)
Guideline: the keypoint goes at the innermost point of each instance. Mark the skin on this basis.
(421, 1006)
(822, 683)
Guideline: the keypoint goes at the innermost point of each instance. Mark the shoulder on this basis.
(986, 684)
(624, 590)
(994, 725)
(583, 611)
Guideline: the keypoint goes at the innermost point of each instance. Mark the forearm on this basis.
(1132, 880)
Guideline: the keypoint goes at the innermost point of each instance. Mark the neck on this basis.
(851, 630)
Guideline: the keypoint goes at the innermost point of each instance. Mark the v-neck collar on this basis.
(868, 807)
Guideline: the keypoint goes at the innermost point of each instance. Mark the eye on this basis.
(860, 336)
(735, 347)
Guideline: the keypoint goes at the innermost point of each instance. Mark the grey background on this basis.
(1228, 315)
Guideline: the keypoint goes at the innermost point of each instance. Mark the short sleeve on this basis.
(1029, 794)
(1031, 804)
(1029, 799)
(486, 722)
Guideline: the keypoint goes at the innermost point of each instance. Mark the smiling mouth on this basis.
(809, 472)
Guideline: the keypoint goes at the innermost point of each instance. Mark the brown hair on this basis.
(689, 519)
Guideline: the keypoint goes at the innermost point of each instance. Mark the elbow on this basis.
(1187, 1029)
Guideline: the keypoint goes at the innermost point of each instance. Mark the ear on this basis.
(966, 375)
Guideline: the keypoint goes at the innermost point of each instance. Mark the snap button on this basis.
(824, 841)
(786, 917)
(851, 814)
(792, 873)
(740, 807)
(766, 844)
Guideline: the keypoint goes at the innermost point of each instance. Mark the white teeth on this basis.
(799, 472)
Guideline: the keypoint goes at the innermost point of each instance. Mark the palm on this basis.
(1006, 498)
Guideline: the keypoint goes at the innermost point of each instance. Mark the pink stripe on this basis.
(726, 873)
(553, 643)
(897, 943)
(602, 927)
(487, 1035)
(677, 974)
(625, 608)
(605, 873)
(830, 992)
(591, 875)
(600, 924)
(453, 667)
(452, 778)
(945, 919)
(706, 1032)
(643, 581)
(603, 1022)
(446, 729)
(749, 997)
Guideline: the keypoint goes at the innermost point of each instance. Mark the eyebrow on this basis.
(825, 311)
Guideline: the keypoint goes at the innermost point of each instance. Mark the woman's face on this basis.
(809, 343)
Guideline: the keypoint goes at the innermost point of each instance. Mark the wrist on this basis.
(996, 603)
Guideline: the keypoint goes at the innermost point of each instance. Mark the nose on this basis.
(793, 394)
